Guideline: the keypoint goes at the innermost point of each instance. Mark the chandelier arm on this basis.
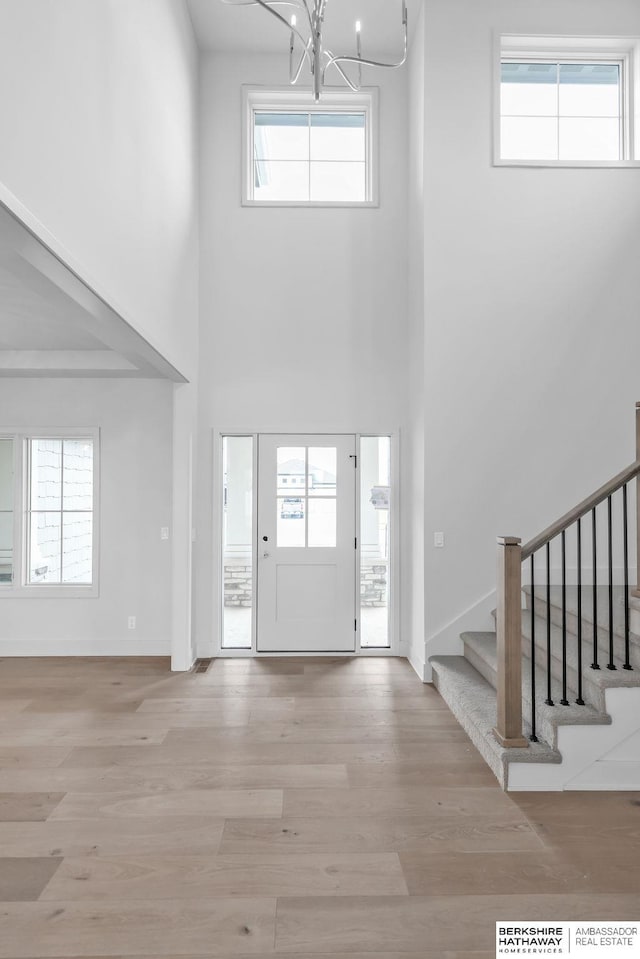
(295, 76)
(365, 63)
(332, 60)
(268, 6)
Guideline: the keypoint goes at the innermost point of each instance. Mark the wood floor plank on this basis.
(179, 777)
(159, 928)
(412, 923)
(154, 835)
(338, 874)
(28, 806)
(29, 757)
(474, 801)
(234, 753)
(221, 803)
(440, 834)
(474, 772)
(503, 873)
(297, 732)
(17, 739)
(23, 879)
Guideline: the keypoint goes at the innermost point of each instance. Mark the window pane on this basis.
(77, 548)
(46, 474)
(337, 136)
(45, 548)
(290, 521)
(77, 480)
(529, 138)
(291, 466)
(6, 547)
(375, 460)
(589, 139)
(237, 538)
(529, 89)
(322, 471)
(6, 511)
(322, 523)
(589, 101)
(281, 180)
(281, 136)
(6, 474)
(338, 182)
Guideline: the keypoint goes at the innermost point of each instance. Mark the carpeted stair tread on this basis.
(472, 700)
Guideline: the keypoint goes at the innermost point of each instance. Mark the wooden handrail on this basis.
(581, 509)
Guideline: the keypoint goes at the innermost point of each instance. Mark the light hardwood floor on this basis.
(294, 807)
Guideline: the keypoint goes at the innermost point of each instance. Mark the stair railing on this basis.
(511, 555)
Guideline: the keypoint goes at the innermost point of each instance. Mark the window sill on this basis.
(307, 204)
(49, 592)
(572, 164)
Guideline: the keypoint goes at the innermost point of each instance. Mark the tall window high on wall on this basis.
(567, 101)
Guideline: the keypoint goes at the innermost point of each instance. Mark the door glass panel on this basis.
(291, 521)
(291, 465)
(237, 539)
(322, 471)
(322, 522)
(6, 511)
(375, 475)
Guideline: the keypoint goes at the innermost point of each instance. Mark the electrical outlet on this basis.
(438, 540)
(131, 622)
(164, 532)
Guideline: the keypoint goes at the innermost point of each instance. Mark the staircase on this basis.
(551, 699)
(611, 707)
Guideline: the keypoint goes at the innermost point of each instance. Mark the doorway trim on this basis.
(217, 609)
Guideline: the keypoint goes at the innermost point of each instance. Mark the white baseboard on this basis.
(420, 667)
(446, 641)
(84, 647)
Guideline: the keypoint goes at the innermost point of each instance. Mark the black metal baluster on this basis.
(533, 737)
(564, 701)
(579, 700)
(549, 700)
(627, 664)
(594, 544)
(610, 664)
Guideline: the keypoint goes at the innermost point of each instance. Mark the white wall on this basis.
(98, 142)
(135, 424)
(531, 310)
(303, 312)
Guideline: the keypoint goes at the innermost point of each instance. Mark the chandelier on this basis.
(306, 42)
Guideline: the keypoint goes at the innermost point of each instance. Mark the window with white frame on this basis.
(566, 102)
(47, 481)
(301, 153)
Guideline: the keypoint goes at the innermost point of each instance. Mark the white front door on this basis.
(306, 543)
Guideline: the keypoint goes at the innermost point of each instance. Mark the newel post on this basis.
(508, 730)
(636, 590)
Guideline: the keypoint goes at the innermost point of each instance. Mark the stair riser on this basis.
(546, 731)
(592, 692)
(587, 635)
